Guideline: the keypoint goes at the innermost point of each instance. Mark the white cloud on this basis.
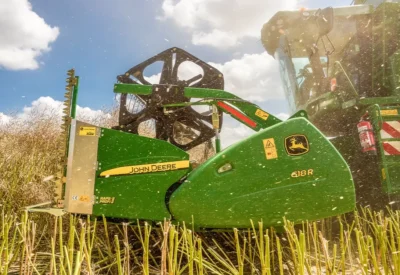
(254, 77)
(90, 115)
(47, 108)
(186, 71)
(4, 119)
(215, 38)
(24, 35)
(154, 79)
(233, 131)
(222, 23)
(283, 116)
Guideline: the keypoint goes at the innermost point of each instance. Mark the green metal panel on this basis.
(389, 164)
(386, 39)
(136, 89)
(74, 97)
(379, 100)
(309, 186)
(395, 72)
(136, 196)
(392, 176)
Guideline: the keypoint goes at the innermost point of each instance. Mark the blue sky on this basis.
(102, 39)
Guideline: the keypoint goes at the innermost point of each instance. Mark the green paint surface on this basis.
(138, 196)
(259, 188)
(390, 164)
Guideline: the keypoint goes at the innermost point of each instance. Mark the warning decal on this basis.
(270, 148)
(84, 198)
(390, 129)
(391, 148)
(261, 114)
(87, 131)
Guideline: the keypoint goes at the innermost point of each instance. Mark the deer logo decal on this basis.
(296, 145)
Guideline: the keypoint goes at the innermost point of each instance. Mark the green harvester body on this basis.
(342, 66)
(340, 69)
(285, 170)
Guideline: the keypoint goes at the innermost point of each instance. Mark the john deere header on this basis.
(284, 170)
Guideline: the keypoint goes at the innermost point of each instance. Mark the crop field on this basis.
(363, 242)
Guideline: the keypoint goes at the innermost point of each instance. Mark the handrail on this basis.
(380, 116)
(348, 78)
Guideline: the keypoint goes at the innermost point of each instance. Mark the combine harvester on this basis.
(285, 169)
(342, 66)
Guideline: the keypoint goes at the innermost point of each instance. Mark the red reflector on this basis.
(333, 84)
(237, 114)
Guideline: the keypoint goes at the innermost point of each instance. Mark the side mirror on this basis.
(325, 21)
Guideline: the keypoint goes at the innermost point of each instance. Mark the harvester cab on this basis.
(342, 65)
(141, 169)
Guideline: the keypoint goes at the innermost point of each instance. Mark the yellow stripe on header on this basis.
(147, 168)
(392, 112)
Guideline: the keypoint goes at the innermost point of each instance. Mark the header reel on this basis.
(184, 127)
